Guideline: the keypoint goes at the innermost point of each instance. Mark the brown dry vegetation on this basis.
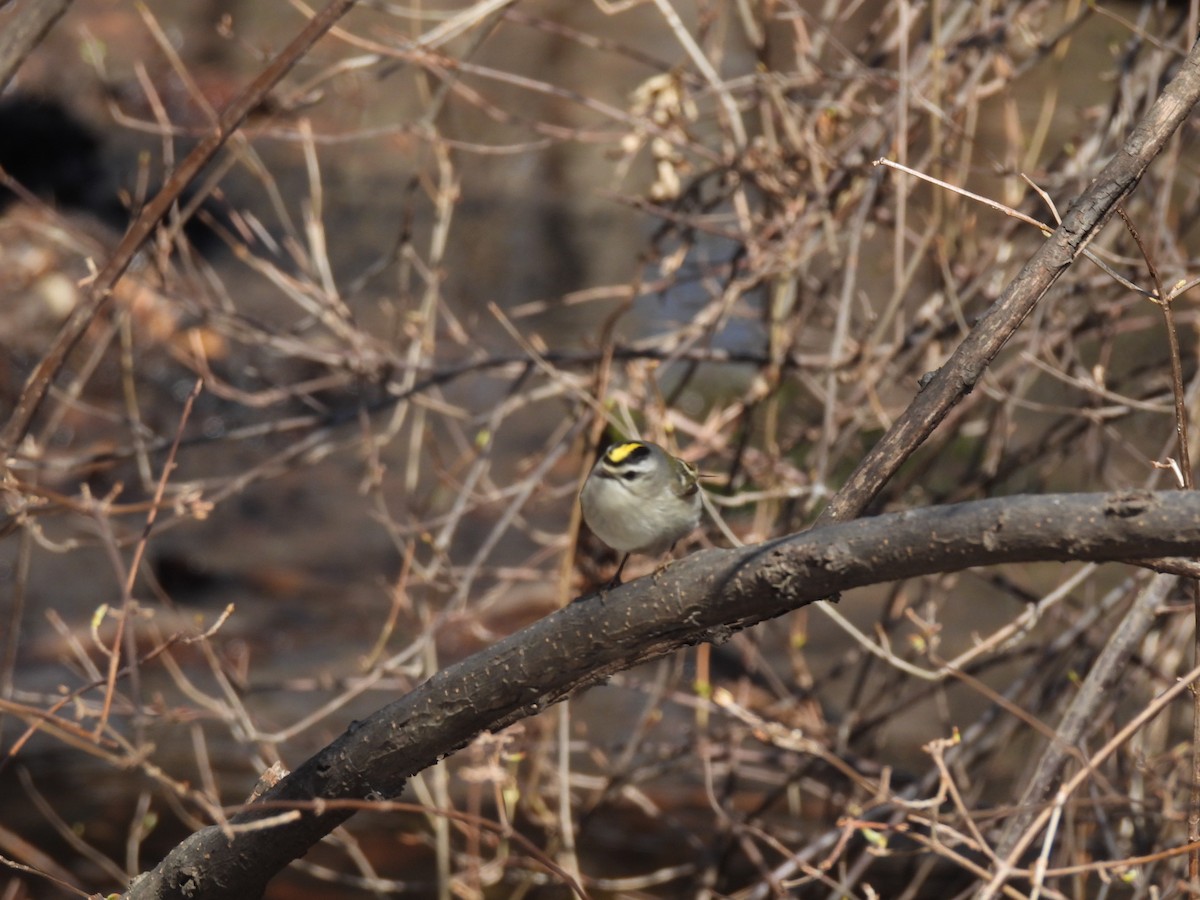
(283, 479)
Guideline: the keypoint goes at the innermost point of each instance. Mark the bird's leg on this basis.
(616, 579)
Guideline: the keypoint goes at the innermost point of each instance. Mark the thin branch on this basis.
(101, 289)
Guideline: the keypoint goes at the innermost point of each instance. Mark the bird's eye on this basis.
(629, 476)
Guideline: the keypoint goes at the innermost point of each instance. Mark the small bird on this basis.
(640, 499)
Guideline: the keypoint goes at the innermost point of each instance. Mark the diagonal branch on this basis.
(100, 291)
(23, 30)
(1083, 221)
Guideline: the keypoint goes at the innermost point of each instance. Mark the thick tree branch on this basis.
(706, 597)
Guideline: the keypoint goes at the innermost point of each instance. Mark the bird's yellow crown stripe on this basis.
(620, 452)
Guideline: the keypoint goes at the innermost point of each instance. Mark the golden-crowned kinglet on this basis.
(640, 499)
